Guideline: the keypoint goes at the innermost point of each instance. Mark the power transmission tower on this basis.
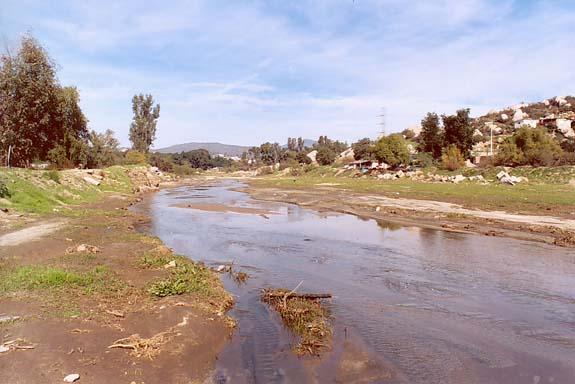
(382, 121)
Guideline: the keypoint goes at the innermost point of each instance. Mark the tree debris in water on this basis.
(141, 347)
(304, 314)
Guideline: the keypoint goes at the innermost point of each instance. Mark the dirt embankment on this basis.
(89, 295)
(426, 213)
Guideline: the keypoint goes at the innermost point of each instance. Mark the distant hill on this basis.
(213, 148)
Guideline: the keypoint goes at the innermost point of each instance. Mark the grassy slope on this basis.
(37, 191)
(544, 192)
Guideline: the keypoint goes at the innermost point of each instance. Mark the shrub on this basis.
(263, 171)
(529, 146)
(392, 150)
(53, 175)
(424, 159)
(303, 158)
(4, 191)
(452, 158)
(135, 157)
(325, 156)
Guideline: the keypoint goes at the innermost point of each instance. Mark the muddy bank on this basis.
(426, 214)
(67, 306)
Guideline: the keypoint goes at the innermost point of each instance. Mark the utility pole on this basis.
(9, 154)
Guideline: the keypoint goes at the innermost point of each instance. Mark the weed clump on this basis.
(306, 317)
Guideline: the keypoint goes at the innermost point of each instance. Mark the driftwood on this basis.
(289, 295)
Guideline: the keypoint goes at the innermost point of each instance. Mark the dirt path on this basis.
(32, 233)
(426, 213)
(450, 208)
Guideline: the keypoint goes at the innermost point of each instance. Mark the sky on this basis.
(246, 72)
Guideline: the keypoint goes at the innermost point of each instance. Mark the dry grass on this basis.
(141, 347)
(307, 318)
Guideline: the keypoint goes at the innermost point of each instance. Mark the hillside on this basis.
(213, 148)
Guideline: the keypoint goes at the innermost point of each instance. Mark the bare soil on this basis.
(71, 332)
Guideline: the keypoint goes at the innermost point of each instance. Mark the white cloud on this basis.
(265, 70)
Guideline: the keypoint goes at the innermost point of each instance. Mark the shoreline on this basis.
(101, 297)
(396, 211)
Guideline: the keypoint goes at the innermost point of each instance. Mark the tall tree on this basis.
(300, 144)
(28, 103)
(431, 136)
(143, 127)
(458, 131)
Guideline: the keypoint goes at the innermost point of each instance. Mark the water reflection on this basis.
(429, 305)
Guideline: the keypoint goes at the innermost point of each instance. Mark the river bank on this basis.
(83, 292)
(464, 215)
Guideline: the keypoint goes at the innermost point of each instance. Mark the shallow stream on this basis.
(410, 305)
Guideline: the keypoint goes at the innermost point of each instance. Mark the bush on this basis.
(4, 191)
(392, 150)
(452, 159)
(135, 158)
(309, 168)
(263, 171)
(303, 158)
(529, 146)
(53, 175)
(325, 156)
(424, 159)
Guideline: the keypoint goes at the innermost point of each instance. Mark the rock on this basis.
(348, 154)
(501, 175)
(566, 127)
(469, 164)
(312, 156)
(476, 178)
(477, 132)
(91, 180)
(8, 318)
(171, 264)
(504, 117)
(560, 100)
(221, 268)
(72, 378)
(400, 174)
(154, 169)
(83, 248)
(4, 348)
(518, 115)
(458, 179)
(506, 180)
(377, 209)
(546, 103)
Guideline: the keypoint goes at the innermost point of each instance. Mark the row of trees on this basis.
(41, 120)
(455, 131)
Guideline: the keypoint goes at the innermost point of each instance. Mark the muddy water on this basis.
(410, 305)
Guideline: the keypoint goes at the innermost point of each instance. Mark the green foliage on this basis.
(53, 175)
(29, 278)
(408, 134)
(264, 171)
(452, 158)
(363, 149)
(325, 155)
(4, 191)
(135, 157)
(431, 137)
(103, 150)
(39, 119)
(143, 127)
(424, 159)
(392, 150)
(302, 158)
(457, 130)
(529, 146)
(185, 278)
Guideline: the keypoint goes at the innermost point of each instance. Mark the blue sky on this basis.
(244, 72)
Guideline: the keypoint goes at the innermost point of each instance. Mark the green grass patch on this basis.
(185, 278)
(38, 277)
(526, 198)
